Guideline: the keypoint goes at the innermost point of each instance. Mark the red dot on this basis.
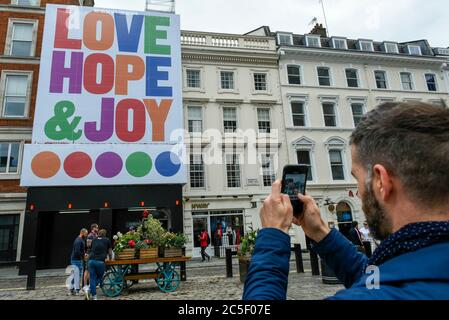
(77, 165)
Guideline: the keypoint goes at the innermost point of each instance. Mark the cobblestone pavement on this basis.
(203, 282)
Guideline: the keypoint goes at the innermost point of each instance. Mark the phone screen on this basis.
(294, 184)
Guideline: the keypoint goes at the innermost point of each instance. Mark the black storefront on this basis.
(55, 215)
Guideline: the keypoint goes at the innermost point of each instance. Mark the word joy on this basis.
(101, 73)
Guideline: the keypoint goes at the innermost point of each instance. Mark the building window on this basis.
(313, 41)
(22, 39)
(230, 119)
(233, 170)
(330, 117)
(227, 80)
(263, 120)
(381, 79)
(9, 157)
(196, 171)
(193, 78)
(195, 119)
(352, 78)
(260, 81)
(431, 81)
(366, 46)
(414, 50)
(298, 114)
(357, 113)
(26, 2)
(324, 77)
(336, 162)
(340, 44)
(15, 99)
(407, 81)
(285, 39)
(304, 159)
(268, 171)
(294, 74)
(390, 47)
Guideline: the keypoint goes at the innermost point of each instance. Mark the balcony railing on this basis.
(227, 41)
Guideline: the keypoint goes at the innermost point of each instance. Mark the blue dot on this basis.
(167, 164)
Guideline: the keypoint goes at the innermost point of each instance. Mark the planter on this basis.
(148, 253)
(125, 254)
(171, 252)
(244, 262)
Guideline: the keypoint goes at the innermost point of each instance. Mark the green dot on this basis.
(139, 164)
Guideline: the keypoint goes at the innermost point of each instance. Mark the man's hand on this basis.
(277, 210)
(311, 222)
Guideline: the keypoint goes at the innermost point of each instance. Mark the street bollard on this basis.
(31, 276)
(298, 259)
(183, 266)
(367, 246)
(229, 263)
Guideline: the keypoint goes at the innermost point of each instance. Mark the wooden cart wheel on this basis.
(112, 284)
(168, 280)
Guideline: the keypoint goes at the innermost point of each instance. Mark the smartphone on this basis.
(294, 179)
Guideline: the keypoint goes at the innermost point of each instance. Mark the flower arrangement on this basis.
(248, 243)
(173, 240)
(125, 241)
(151, 230)
(144, 244)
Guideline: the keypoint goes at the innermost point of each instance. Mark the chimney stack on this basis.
(319, 30)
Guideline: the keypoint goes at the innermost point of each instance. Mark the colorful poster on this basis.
(109, 83)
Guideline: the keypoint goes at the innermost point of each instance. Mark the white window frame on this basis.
(236, 117)
(436, 81)
(290, 35)
(409, 49)
(9, 34)
(335, 103)
(272, 156)
(331, 80)
(13, 175)
(340, 39)
(316, 37)
(305, 101)
(240, 162)
(387, 85)
(362, 101)
(204, 173)
(370, 42)
(234, 79)
(359, 82)
(388, 43)
(306, 144)
(16, 3)
(193, 105)
(381, 100)
(269, 118)
(301, 74)
(412, 81)
(340, 146)
(267, 80)
(202, 79)
(3, 76)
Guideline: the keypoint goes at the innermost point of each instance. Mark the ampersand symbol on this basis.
(59, 128)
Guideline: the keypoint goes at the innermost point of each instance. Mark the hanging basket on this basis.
(148, 253)
(126, 254)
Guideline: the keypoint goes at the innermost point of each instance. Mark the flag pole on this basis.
(325, 19)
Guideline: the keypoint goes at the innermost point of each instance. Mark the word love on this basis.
(101, 72)
(60, 127)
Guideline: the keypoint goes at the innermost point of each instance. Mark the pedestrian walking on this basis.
(93, 234)
(204, 243)
(76, 260)
(101, 249)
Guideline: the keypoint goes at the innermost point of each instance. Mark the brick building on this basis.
(21, 29)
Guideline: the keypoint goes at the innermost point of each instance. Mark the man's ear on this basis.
(382, 182)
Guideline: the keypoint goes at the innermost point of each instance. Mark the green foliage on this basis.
(174, 240)
(125, 241)
(248, 243)
(151, 229)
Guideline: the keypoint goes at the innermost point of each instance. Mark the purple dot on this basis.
(109, 164)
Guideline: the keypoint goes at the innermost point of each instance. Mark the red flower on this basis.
(146, 213)
(147, 241)
(132, 243)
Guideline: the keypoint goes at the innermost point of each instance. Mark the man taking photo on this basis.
(400, 159)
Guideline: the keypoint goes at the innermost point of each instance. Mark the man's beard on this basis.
(376, 217)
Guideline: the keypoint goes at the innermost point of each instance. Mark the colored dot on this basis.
(77, 165)
(167, 164)
(109, 165)
(139, 164)
(45, 165)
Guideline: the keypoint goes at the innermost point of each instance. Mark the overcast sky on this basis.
(394, 20)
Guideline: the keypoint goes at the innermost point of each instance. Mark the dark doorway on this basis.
(57, 231)
(344, 217)
(9, 234)
(122, 220)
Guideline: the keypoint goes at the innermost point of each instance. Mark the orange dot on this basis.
(45, 165)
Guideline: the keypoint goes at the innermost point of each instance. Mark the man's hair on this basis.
(354, 224)
(93, 225)
(411, 140)
(83, 230)
(102, 233)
